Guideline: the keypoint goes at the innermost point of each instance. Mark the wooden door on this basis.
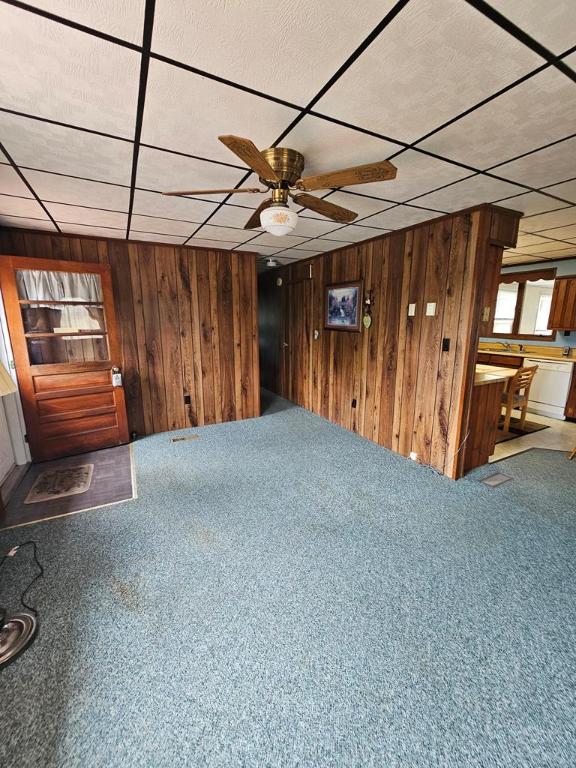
(298, 344)
(64, 338)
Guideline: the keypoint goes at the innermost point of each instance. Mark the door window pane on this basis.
(63, 316)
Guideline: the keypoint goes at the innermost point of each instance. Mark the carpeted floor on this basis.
(284, 593)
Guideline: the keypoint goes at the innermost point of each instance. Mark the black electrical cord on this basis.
(11, 553)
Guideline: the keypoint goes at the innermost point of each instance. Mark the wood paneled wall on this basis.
(188, 325)
(395, 383)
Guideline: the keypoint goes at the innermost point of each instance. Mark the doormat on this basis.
(517, 431)
(56, 483)
(492, 481)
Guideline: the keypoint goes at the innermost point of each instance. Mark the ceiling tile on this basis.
(312, 227)
(253, 248)
(362, 205)
(566, 190)
(83, 229)
(209, 232)
(409, 81)
(558, 254)
(417, 173)
(552, 24)
(23, 222)
(21, 206)
(327, 147)
(537, 112)
(271, 47)
(166, 172)
(400, 217)
(527, 240)
(11, 183)
(355, 234)
(154, 237)
(530, 203)
(64, 189)
(158, 225)
(546, 221)
(185, 209)
(520, 259)
(542, 168)
(89, 216)
(464, 194)
(64, 150)
(544, 246)
(120, 19)
(218, 245)
(561, 233)
(174, 97)
(298, 254)
(232, 216)
(321, 245)
(287, 241)
(93, 84)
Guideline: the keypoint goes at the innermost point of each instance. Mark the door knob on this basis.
(284, 344)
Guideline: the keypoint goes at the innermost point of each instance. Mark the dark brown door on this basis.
(63, 332)
(297, 346)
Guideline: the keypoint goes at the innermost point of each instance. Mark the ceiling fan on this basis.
(280, 170)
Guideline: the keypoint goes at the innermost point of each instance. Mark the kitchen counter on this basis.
(490, 374)
(531, 353)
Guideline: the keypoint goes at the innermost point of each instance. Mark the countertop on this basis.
(531, 354)
(490, 374)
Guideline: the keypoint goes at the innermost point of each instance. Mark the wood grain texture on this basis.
(187, 322)
(405, 382)
(563, 307)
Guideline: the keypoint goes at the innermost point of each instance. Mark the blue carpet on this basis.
(285, 593)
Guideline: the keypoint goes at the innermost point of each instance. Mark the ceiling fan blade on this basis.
(360, 174)
(249, 153)
(254, 220)
(330, 210)
(251, 190)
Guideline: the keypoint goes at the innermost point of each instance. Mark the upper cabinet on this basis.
(563, 306)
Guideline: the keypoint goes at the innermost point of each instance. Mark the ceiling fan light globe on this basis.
(278, 220)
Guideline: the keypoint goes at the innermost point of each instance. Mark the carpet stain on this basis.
(128, 594)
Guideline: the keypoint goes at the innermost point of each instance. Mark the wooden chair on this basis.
(573, 454)
(517, 394)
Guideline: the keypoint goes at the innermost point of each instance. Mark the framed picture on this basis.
(342, 306)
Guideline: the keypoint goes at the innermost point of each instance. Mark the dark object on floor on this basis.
(111, 482)
(57, 483)
(498, 478)
(183, 438)
(19, 629)
(517, 431)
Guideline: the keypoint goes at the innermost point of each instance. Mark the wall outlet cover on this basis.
(413, 455)
(431, 309)
(411, 310)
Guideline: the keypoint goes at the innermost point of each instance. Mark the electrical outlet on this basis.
(411, 310)
(431, 309)
(413, 455)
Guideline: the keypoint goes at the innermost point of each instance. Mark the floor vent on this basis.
(496, 479)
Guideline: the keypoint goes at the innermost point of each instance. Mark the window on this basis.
(523, 305)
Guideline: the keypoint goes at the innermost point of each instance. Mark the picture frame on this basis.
(343, 306)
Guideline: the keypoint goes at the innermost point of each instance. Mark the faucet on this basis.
(506, 344)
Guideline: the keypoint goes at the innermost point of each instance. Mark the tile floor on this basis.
(561, 437)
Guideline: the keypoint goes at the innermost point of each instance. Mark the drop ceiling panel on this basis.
(399, 217)
(409, 81)
(156, 238)
(82, 229)
(552, 24)
(563, 253)
(287, 241)
(187, 113)
(530, 203)
(185, 209)
(65, 150)
(535, 113)
(232, 216)
(64, 189)
(546, 221)
(11, 183)
(93, 84)
(310, 227)
(23, 222)
(253, 248)
(288, 48)
(513, 258)
(355, 234)
(545, 246)
(294, 254)
(166, 172)
(540, 169)
(320, 245)
(21, 206)
(327, 147)
(526, 240)
(89, 216)
(209, 232)
(561, 233)
(114, 17)
(362, 205)
(218, 245)
(167, 226)
(472, 191)
(566, 190)
(417, 173)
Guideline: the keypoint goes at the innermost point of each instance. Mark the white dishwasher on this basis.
(550, 386)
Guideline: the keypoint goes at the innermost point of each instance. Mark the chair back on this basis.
(520, 384)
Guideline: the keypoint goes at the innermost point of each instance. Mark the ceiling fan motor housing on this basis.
(288, 165)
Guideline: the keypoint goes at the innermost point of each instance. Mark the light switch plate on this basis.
(411, 310)
(486, 314)
(431, 309)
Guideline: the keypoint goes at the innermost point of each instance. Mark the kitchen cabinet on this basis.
(502, 361)
(563, 308)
